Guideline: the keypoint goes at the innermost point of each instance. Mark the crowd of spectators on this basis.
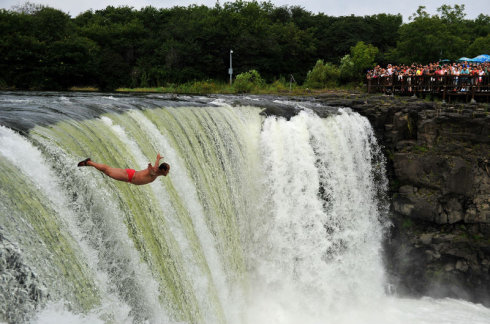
(432, 69)
(463, 74)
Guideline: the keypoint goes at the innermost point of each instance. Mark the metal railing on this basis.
(444, 86)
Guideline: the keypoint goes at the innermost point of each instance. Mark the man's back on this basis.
(143, 177)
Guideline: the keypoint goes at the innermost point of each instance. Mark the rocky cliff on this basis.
(439, 169)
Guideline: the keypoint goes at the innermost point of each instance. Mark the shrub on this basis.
(322, 75)
(203, 87)
(279, 86)
(195, 87)
(347, 68)
(247, 81)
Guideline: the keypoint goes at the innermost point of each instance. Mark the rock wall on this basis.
(439, 170)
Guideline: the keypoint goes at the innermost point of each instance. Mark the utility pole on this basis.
(230, 70)
(291, 80)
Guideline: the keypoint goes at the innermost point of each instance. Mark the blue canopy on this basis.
(462, 59)
(481, 58)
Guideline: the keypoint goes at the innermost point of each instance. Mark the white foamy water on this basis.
(57, 313)
(266, 311)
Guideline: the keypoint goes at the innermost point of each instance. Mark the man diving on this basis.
(141, 177)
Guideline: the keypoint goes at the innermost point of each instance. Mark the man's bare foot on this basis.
(84, 162)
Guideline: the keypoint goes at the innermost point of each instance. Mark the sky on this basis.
(329, 7)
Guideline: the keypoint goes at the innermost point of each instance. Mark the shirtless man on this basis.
(130, 175)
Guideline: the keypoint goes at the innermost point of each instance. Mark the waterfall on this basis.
(321, 239)
(170, 250)
(260, 220)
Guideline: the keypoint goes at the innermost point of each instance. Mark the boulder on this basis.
(423, 203)
(454, 210)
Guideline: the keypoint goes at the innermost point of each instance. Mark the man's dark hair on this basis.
(164, 166)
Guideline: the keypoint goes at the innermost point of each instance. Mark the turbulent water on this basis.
(261, 219)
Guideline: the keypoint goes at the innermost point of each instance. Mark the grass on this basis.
(83, 89)
(213, 87)
(278, 87)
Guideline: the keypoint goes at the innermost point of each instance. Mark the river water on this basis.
(262, 219)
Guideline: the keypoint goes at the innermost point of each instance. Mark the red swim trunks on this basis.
(130, 173)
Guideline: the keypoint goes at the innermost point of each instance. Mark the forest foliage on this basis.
(47, 49)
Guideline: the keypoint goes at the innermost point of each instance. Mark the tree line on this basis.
(44, 48)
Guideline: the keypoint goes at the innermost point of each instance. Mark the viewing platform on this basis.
(448, 87)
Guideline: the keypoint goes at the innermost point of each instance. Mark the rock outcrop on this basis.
(439, 170)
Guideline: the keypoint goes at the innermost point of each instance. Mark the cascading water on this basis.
(261, 220)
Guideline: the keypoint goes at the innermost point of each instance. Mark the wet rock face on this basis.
(444, 175)
(439, 171)
(439, 260)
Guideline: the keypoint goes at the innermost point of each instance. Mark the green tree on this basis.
(481, 45)
(44, 48)
(383, 30)
(34, 55)
(71, 62)
(361, 58)
(363, 55)
(430, 38)
(118, 34)
(452, 15)
(51, 24)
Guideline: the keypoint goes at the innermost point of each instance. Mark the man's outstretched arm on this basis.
(157, 162)
(154, 168)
